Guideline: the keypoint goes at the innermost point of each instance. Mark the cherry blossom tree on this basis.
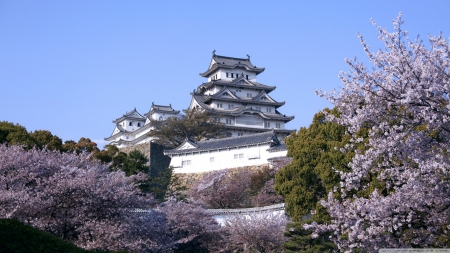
(223, 189)
(70, 196)
(256, 232)
(190, 228)
(404, 101)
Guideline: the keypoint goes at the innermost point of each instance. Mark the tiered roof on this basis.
(130, 115)
(239, 82)
(249, 105)
(161, 109)
(226, 62)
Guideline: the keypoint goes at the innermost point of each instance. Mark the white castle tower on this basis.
(242, 103)
(133, 128)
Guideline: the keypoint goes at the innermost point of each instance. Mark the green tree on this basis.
(167, 186)
(107, 154)
(136, 162)
(86, 145)
(15, 134)
(195, 125)
(43, 138)
(310, 176)
(312, 172)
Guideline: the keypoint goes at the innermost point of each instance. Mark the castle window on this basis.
(160, 118)
(246, 76)
(232, 75)
(228, 121)
(268, 109)
(139, 124)
(267, 124)
(238, 156)
(230, 106)
(131, 123)
(186, 163)
(257, 108)
(278, 125)
(240, 134)
(249, 95)
(227, 74)
(219, 105)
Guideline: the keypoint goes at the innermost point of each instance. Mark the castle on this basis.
(233, 94)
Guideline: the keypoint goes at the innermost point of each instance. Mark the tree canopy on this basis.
(194, 124)
(403, 99)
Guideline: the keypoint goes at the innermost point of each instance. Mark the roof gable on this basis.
(225, 92)
(264, 97)
(219, 61)
(130, 115)
(187, 144)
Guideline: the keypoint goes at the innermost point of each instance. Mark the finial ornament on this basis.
(153, 103)
(248, 56)
(214, 52)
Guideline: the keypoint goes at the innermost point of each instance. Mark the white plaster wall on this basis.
(221, 218)
(254, 155)
(134, 126)
(223, 74)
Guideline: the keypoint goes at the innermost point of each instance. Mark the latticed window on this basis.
(186, 163)
(249, 120)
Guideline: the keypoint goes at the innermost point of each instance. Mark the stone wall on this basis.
(189, 179)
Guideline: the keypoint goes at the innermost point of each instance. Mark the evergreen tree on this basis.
(310, 176)
(193, 124)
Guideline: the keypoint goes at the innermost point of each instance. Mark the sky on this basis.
(72, 67)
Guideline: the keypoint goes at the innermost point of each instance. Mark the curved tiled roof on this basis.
(129, 115)
(253, 100)
(230, 63)
(231, 142)
(237, 111)
(246, 84)
(162, 109)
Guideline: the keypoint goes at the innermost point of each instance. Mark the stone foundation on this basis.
(189, 179)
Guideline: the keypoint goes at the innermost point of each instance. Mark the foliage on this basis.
(82, 201)
(167, 186)
(301, 240)
(68, 195)
(20, 238)
(310, 176)
(237, 188)
(194, 124)
(222, 189)
(404, 101)
(191, 229)
(106, 155)
(132, 163)
(256, 233)
(18, 135)
(316, 156)
(45, 138)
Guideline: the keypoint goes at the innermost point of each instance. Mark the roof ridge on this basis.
(239, 137)
(229, 57)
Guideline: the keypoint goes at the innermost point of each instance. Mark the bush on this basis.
(18, 237)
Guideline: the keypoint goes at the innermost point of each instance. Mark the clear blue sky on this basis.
(72, 67)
